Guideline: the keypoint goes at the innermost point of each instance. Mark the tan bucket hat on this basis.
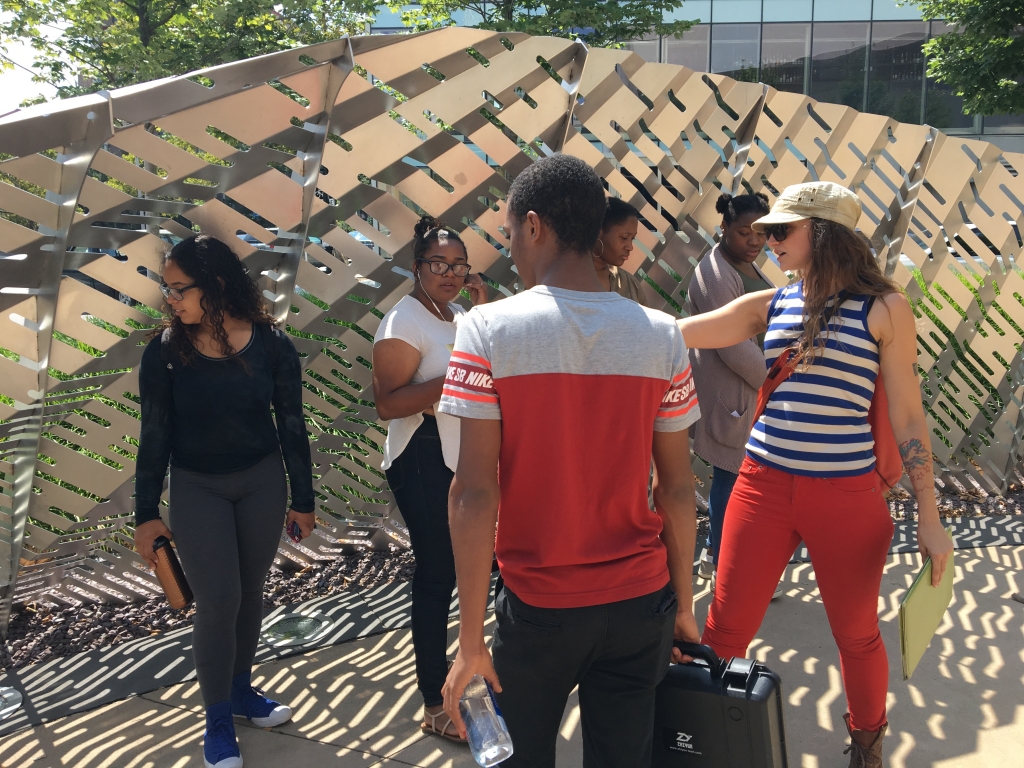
(813, 200)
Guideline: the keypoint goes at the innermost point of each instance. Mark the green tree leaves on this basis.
(82, 46)
(604, 23)
(983, 59)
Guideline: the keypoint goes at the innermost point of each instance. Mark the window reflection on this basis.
(646, 48)
(786, 56)
(1004, 124)
(736, 10)
(897, 70)
(691, 50)
(876, 67)
(942, 108)
(842, 10)
(839, 63)
(734, 50)
(786, 10)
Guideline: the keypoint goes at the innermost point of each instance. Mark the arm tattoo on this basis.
(917, 460)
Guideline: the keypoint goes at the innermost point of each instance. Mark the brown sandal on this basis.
(432, 728)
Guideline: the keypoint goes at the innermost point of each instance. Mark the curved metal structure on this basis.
(314, 164)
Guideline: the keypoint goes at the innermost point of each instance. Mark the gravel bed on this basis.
(959, 502)
(39, 632)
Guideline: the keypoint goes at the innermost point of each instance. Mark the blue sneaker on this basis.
(250, 703)
(220, 747)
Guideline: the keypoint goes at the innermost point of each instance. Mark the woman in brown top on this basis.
(621, 222)
(727, 379)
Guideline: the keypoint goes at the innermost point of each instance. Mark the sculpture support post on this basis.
(338, 70)
(744, 138)
(77, 128)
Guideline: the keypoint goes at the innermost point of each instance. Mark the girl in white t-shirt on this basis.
(411, 351)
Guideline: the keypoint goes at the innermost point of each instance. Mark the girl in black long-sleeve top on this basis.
(208, 381)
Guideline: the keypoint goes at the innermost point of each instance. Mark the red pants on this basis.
(846, 526)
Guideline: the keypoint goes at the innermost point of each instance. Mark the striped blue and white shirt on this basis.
(816, 422)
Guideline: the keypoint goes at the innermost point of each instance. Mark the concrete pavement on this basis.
(356, 703)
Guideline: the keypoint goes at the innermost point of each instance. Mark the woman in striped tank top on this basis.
(810, 467)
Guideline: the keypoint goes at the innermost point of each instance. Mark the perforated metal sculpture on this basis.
(314, 164)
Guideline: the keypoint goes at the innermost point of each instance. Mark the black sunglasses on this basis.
(779, 231)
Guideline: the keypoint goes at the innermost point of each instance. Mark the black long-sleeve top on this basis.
(214, 417)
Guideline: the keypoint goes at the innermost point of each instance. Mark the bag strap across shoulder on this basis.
(888, 462)
(783, 368)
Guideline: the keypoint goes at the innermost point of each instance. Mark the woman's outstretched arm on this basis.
(737, 321)
(891, 321)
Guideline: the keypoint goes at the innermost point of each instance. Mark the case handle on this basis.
(703, 652)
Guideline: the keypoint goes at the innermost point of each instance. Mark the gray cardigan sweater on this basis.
(728, 379)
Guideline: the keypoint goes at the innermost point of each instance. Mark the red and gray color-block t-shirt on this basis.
(580, 382)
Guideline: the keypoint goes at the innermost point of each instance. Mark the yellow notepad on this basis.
(921, 612)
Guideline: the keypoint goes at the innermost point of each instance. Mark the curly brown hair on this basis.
(227, 290)
(841, 260)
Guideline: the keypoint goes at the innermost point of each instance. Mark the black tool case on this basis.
(712, 713)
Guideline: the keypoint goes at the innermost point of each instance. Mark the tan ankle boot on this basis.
(864, 756)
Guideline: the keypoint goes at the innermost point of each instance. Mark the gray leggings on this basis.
(227, 528)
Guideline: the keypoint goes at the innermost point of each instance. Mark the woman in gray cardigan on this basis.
(727, 379)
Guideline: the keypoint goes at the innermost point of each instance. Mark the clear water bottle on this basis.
(485, 727)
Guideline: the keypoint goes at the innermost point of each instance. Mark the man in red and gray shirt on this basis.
(565, 392)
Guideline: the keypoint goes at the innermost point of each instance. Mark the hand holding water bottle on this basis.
(471, 706)
(468, 662)
(486, 731)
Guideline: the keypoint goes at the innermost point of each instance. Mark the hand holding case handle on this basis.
(171, 576)
(702, 652)
(718, 713)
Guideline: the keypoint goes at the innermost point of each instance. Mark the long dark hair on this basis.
(227, 290)
(841, 259)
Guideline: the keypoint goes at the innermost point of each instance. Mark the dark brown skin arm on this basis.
(472, 517)
(394, 364)
(675, 503)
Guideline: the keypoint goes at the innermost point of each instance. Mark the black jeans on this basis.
(616, 653)
(420, 481)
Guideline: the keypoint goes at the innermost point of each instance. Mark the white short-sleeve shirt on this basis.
(434, 339)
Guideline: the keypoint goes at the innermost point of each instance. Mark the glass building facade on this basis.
(862, 53)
